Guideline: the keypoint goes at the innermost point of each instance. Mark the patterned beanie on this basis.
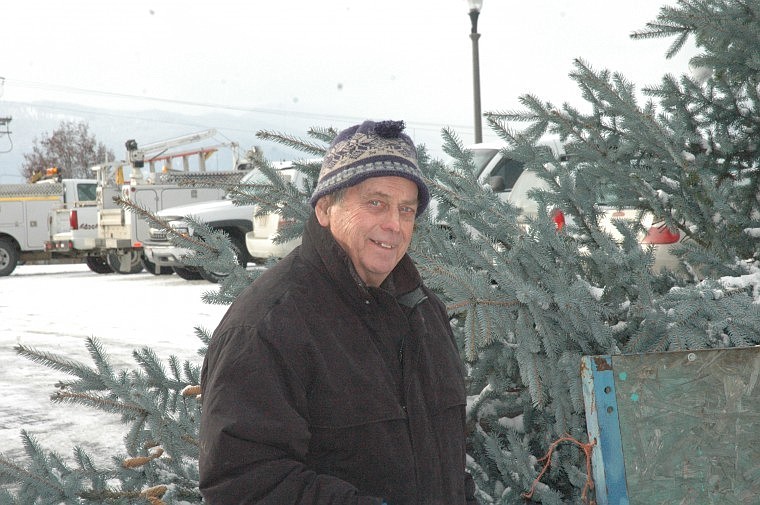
(370, 150)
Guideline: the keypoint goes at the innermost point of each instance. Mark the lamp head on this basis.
(475, 5)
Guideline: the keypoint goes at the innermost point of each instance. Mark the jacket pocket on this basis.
(374, 455)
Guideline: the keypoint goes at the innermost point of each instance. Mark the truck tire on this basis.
(8, 257)
(125, 263)
(242, 257)
(151, 267)
(210, 276)
(241, 251)
(187, 273)
(98, 264)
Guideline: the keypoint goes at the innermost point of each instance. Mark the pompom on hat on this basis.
(371, 149)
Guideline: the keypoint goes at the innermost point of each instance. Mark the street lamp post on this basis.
(475, 6)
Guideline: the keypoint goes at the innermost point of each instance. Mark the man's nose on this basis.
(392, 220)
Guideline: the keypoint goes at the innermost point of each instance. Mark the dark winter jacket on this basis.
(320, 390)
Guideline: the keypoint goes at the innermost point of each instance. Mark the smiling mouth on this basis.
(384, 245)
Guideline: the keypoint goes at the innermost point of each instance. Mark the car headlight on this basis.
(181, 228)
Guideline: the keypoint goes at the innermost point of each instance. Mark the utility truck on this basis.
(114, 243)
(25, 215)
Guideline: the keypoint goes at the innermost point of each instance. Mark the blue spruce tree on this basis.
(526, 300)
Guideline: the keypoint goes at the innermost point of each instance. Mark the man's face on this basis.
(373, 223)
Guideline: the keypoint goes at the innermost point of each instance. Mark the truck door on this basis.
(12, 218)
(147, 198)
(36, 218)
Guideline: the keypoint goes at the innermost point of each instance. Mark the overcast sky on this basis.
(334, 62)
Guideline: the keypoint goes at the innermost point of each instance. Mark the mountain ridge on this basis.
(32, 122)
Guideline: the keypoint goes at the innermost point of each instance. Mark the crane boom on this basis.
(177, 141)
(136, 155)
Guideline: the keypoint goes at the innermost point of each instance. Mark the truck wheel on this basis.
(214, 277)
(242, 257)
(8, 257)
(187, 273)
(98, 264)
(125, 263)
(151, 267)
(241, 251)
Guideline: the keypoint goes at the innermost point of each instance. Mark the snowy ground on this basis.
(55, 308)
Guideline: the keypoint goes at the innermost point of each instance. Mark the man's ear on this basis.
(322, 210)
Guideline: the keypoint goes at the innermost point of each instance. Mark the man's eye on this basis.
(408, 210)
(374, 203)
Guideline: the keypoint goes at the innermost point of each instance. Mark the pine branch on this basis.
(292, 141)
(326, 135)
(60, 363)
(99, 402)
(23, 475)
(40, 475)
(153, 220)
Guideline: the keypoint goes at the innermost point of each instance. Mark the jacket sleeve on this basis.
(254, 431)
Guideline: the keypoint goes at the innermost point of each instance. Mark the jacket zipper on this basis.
(403, 382)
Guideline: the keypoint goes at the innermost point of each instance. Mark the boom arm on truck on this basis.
(136, 155)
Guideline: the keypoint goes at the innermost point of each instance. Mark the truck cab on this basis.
(508, 178)
(221, 214)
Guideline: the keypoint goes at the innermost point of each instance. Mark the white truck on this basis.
(509, 179)
(260, 241)
(114, 243)
(236, 220)
(512, 183)
(26, 212)
(223, 214)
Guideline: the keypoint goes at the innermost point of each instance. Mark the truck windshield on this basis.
(257, 177)
(508, 169)
(481, 158)
(87, 192)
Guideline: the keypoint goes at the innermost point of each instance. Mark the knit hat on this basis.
(370, 150)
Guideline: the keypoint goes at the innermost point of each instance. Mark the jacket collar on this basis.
(320, 248)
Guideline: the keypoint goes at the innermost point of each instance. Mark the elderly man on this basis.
(335, 378)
